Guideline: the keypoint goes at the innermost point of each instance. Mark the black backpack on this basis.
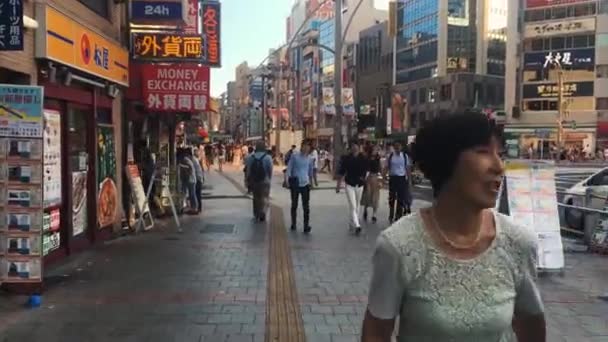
(257, 172)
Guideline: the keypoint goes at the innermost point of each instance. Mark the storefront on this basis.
(83, 74)
(543, 139)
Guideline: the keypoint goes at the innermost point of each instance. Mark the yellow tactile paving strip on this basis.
(283, 316)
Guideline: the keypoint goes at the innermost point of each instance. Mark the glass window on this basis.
(603, 7)
(446, 92)
(580, 41)
(558, 13)
(413, 97)
(602, 40)
(557, 43)
(601, 71)
(100, 7)
(601, 103)
(422, 95)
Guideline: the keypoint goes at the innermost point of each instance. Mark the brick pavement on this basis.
(162, 286)
(157, 286)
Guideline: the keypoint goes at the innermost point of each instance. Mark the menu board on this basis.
(107, 202)
(139, 195)
(21, 183)
(52, 158)
(529, 196)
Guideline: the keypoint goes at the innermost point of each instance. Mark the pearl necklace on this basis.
(445, 237)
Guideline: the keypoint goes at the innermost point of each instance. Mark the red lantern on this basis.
(202, 132)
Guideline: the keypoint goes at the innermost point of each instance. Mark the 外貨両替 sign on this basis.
(168, 47)
(175, 88)
(11, 25)
(156, 10)
(573, 59)
(211, 30)
(570, 89)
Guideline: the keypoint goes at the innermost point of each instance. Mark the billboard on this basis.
(156, 11)
(561, 27)
(212, 32)
(551, 90)
(168, 47)
(175, 88)
(11, 26)
(542, 3)
(569, 59)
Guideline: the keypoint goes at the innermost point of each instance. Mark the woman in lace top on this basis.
(456, 271)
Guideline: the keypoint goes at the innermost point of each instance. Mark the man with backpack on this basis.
(258, 168)
(399, 174)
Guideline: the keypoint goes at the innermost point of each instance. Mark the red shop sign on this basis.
(211, 30)
(175, 88)
(541, 3)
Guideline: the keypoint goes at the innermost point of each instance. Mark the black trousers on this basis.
(199, 195)
(296, 192)
(399, 192)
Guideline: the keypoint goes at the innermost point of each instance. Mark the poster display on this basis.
(52, 158)
(79, 202)
(107, 200)
(21, 183)
(528, 195)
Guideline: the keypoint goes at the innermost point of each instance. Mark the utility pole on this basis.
(560, 108)
(338, 144)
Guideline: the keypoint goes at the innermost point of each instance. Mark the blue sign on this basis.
(153, 10)
(571, 59)
(11, 25)
(21, 111)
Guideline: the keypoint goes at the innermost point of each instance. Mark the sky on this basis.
(249, 29)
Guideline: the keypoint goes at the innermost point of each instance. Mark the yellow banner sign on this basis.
(66, 41)
(177, 47)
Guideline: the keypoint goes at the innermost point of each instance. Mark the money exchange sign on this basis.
(175, 88)
(178, 47)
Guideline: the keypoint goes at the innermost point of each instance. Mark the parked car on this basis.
(597, 183)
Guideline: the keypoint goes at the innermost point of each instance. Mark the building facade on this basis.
(570, 36)
(373, 79)
(450, 57)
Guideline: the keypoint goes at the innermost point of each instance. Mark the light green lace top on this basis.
(443, 299)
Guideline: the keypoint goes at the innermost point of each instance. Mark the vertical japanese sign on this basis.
(176, 88)
(11, 25)
(211, 31)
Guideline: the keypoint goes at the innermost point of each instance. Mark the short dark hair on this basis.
(440, 142)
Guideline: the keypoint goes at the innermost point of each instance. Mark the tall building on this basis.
(553, 35)
(241, 80)
(366, 15)
(450, 57)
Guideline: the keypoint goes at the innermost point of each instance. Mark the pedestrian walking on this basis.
(314, 156)
(208, 156)
(371, 192)
(249, 152)
(327, 159)
(456, 271)
(287, 158)
(200, 179)
(187, 180)
(299, 177)
(399, 194)
(259, 175)
(221, 156)
(353, 170)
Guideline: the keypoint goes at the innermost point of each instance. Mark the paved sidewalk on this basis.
(210, 283)
(158, 286)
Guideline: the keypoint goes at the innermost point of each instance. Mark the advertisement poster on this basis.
(139, 194)
(52, 158)
(79, 202)
(21, 111)
(532, 203)
(107, 201)
(348, 101)
(328, 101)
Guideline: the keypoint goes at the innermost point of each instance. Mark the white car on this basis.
(597, 183)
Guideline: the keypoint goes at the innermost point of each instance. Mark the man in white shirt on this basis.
(314, 157)
(398, 166)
